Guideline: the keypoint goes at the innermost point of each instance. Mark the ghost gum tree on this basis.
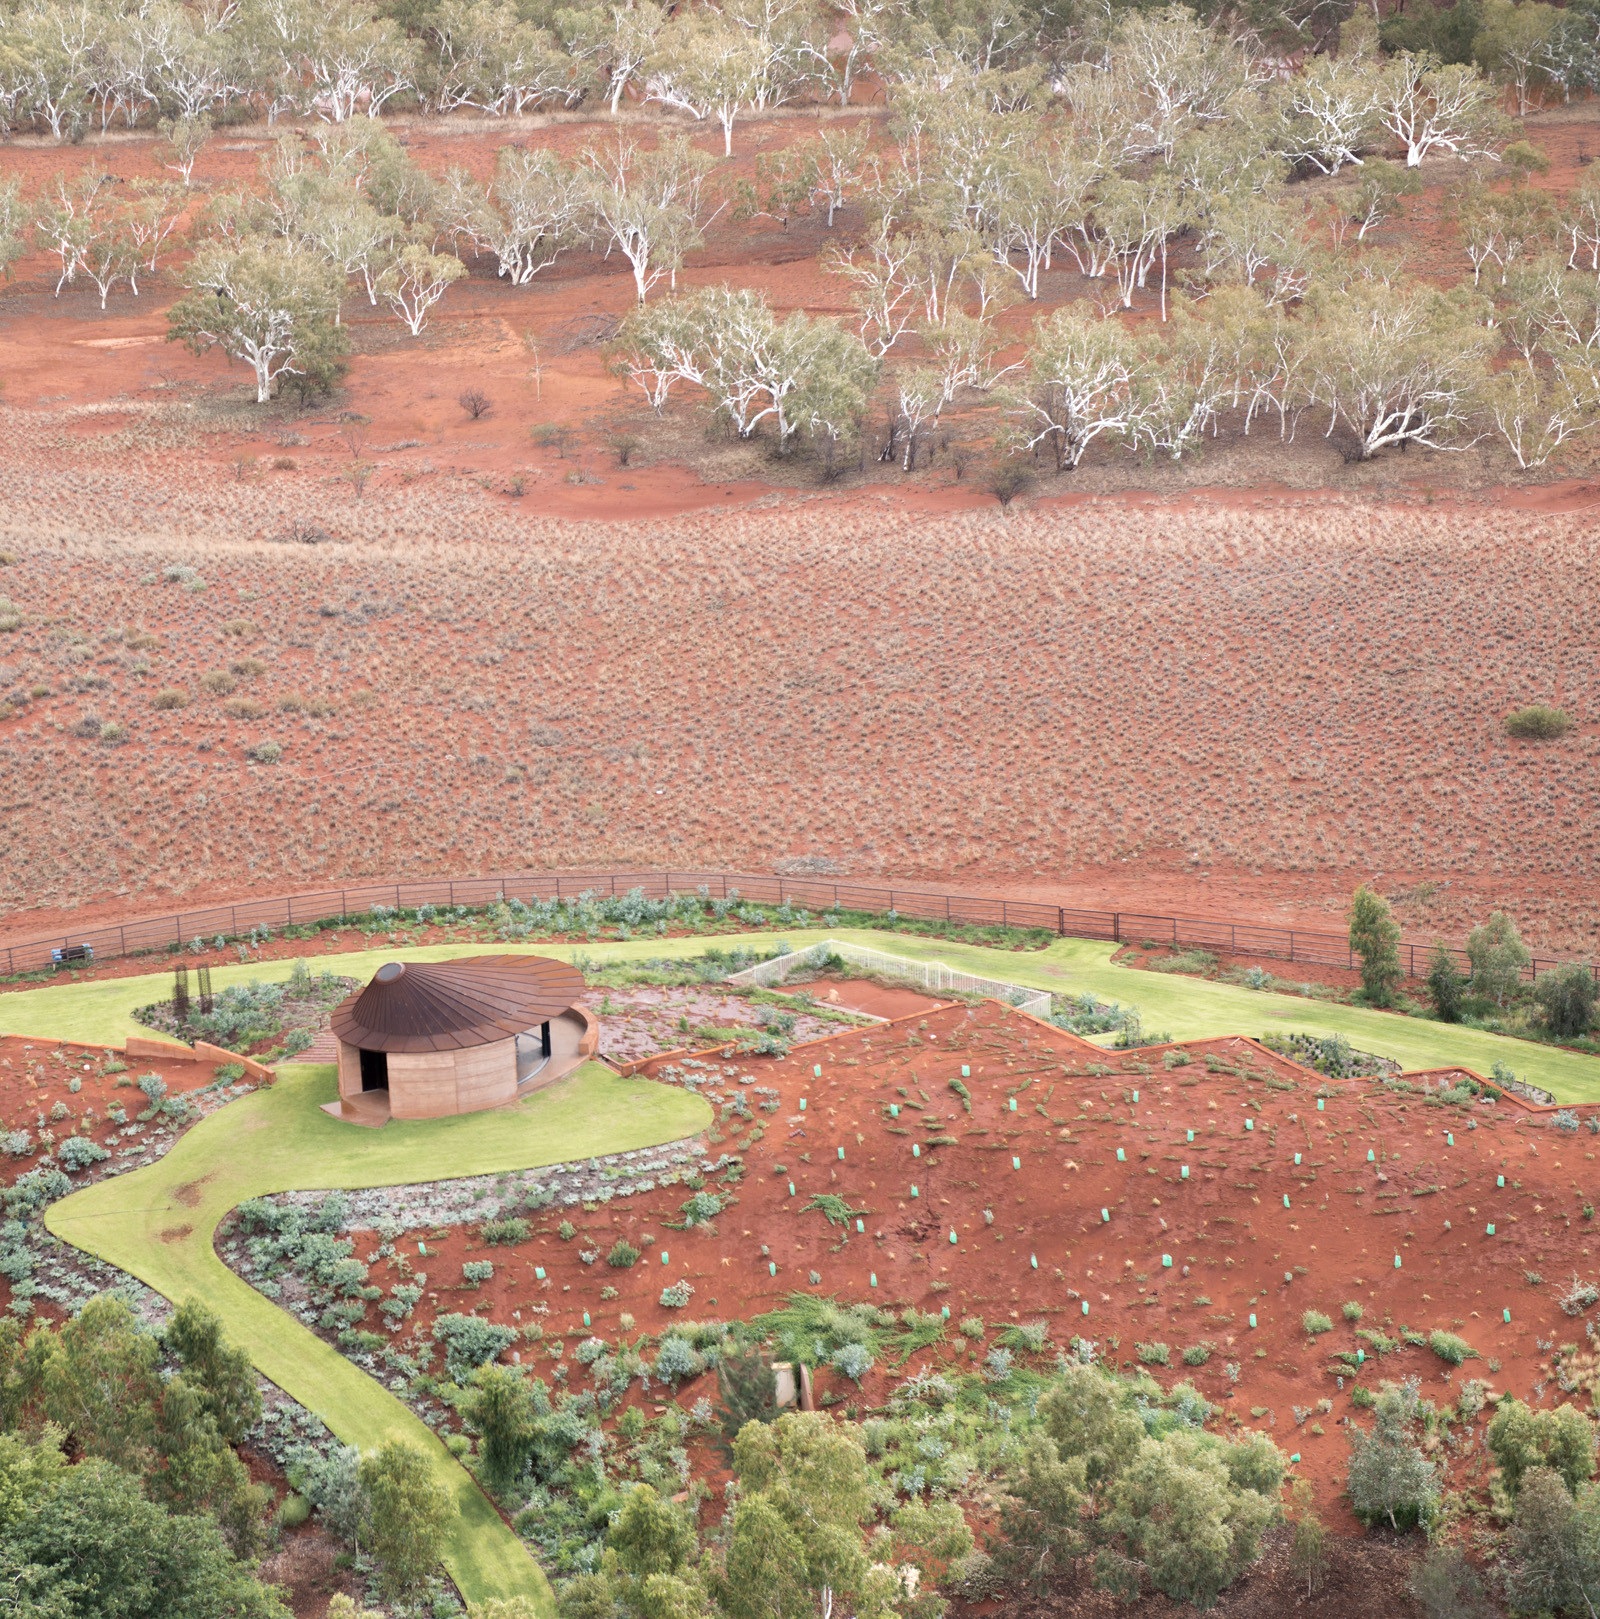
(1156, 153)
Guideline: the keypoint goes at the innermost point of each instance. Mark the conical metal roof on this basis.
(449, 1005)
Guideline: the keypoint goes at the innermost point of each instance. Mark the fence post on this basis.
(1116, 927)
(1061, 923)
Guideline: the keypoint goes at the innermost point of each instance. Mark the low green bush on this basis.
(504, 1231)
(1154, 1354)
(1315, 1322)
(623, 1255)
(1538, 722)
(1448, 1347)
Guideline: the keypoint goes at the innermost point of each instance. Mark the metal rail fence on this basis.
(810, 893)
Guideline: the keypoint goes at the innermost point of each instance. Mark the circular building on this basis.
(426, 1039)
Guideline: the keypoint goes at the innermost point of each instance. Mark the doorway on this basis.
(374, 1070)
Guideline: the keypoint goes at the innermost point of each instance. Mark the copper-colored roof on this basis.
(447, 1005)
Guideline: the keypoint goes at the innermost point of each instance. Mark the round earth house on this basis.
(426, 1039)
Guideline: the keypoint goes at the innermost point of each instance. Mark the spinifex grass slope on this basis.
(158, 1223)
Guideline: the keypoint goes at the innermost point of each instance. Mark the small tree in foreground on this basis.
(499, 1405)
(410, 1509)
(1555, 1547)
(1308, 1551)
(1390, 1480)
(1522, 1439)
(1447, 1587)
(1375, 937)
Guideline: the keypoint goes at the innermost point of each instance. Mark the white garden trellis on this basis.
(929, 975)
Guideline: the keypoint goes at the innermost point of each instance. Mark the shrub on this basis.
(1197, 1354)
(470, 1343)
(1577, 1298)
(505, 1231)
(1447, 984)
(218, 682)
(1447, 1346)
(1007, 480)
(623, 1255)
(1029, 1335)
(1351, 1311)
(78, 1152)
(854, 1360)
(475, 402)
(997, 1365)
(1566, 997)
(245, 708)
(478, 1271)
(16, 1143)
(566, 1231)
(1314, 1322)
(1390, 1479)
(153, 1086)
(265, 753)
(170, 697)
(677, 1360)
(676, 1295)
(1521, 1439)
(1154, 1354)
(701, 1207)
(1538, 722)
(972, 1326)
(1446, 1586)
(294, 1511)
(113, 733)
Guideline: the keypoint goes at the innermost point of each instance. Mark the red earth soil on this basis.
(861, 995)
(1329, 674)
(1248, 1231)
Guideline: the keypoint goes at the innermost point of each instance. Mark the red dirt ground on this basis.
(861, 995)
(36, 1076)
(1241, 686)
(1234, 1245)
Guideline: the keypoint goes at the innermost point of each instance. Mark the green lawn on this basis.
(1189, 1008)
(158, 1223)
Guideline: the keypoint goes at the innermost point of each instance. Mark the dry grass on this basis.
(1301, 688)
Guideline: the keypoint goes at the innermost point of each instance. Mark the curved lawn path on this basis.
(1188, 1008)
(157, 1223)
